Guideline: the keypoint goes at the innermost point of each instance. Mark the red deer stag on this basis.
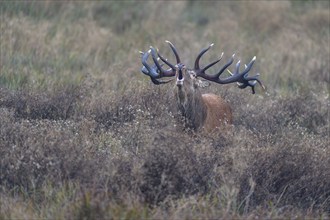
(206, 111)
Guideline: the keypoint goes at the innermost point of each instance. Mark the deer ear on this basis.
(202, 84)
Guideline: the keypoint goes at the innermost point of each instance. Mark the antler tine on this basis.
(244, 80)
(214, 78)
(154, 67)
(163, 73)
(236, 76)
(225, 66)
(146, 69)
(200, 55)
(213, 63)
(255, 78)
(247, 68)
(174, 51)
(165, 61)
(154, 58)
(156, 71)
(252, 84)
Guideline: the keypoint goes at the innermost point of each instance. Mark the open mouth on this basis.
(179, 82)
(180, 74)
(179, 79)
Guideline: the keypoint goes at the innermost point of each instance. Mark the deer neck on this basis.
(191, 106)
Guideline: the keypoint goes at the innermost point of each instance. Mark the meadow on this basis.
(85, 135)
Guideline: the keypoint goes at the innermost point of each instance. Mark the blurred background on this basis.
(85, 135)
(47, 42)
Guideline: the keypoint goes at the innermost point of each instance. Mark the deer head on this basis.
(208, 111)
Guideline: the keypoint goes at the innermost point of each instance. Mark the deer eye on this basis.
(192, 74)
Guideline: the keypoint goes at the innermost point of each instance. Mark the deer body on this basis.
(200, 111)
(206, 111)
(219, 113)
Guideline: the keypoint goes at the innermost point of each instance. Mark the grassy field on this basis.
(85, 135)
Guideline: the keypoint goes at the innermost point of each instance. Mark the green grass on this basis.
(84, 134)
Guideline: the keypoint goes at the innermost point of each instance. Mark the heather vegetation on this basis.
(85, 135)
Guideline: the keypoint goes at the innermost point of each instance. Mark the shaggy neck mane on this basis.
(191, 107)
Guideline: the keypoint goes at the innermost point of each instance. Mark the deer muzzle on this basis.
(179, 79)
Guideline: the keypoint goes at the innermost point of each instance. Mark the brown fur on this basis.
(201, 111)
(218, 114)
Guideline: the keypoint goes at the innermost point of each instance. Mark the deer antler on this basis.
(241, 78)
(156, 71)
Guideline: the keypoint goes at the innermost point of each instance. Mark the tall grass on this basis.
(83, 134)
